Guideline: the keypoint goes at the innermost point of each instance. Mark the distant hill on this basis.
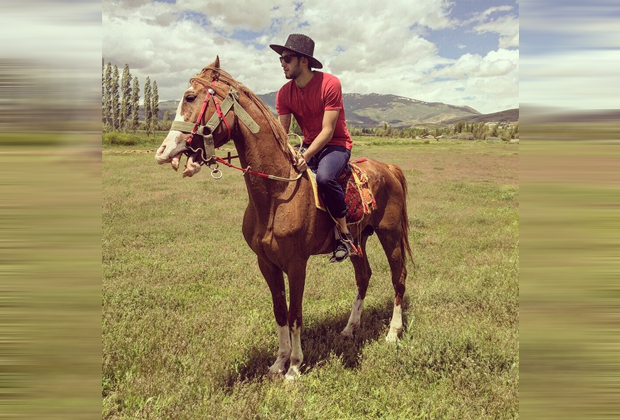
(372, 110)
(509, 115)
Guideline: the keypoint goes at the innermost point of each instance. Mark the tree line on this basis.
(461, 130)
(120, 101)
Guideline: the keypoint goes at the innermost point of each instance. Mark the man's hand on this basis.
(301, 164)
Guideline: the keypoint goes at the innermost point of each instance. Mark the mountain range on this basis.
(373, 110)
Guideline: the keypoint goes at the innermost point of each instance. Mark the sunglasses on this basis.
(288, 58)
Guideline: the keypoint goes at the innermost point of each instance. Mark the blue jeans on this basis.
(328, 164)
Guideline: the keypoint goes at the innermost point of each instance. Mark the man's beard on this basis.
(293, 74)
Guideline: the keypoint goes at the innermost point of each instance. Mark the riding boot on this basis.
(344, 248)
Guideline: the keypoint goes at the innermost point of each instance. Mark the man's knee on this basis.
(323, 180)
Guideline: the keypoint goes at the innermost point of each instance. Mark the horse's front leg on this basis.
(275, 279)
(296, 281)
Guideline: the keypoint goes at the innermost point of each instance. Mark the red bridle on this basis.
(206, 154)
(205, 104)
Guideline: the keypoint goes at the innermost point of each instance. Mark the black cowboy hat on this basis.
(301, 44)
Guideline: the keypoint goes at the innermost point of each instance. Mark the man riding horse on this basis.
(281, 223)
(315, 99)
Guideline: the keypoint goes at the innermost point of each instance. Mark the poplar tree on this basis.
(495, 130)
(148, 110)
(102, 88)
(126, 101)
(107, 101)
(115, 98)
(135, 105)
(167, 120)
(514, 131)
(155, 107)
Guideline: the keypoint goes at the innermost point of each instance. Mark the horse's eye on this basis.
(190, 98)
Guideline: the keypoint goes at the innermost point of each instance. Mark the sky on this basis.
(463, 52)
(490, 55)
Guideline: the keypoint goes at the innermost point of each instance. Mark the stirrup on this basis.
(344, 248)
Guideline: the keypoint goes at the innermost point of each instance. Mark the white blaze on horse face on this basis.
(171, 143)
(179, 116)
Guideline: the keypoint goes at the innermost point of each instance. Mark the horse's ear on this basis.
(216, 63)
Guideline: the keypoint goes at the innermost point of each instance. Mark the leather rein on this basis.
(200, 144)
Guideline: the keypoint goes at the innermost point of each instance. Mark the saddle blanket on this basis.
(358, 196)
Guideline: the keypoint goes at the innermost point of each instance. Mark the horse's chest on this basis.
(281, 227)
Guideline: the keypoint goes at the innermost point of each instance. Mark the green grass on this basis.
(140, 138)
(188, 328)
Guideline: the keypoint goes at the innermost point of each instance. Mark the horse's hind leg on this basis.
(362, 276)
(394, 250)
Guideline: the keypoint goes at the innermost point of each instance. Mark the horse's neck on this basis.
(263, 153)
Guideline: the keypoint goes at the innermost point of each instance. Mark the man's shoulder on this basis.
(329, 79)
(287, 86)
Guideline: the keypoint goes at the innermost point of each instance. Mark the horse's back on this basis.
(383, 178)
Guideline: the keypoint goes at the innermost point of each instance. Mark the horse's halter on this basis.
(204, 151)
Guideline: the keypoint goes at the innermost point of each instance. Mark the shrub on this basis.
(465, 136)
(120, 139)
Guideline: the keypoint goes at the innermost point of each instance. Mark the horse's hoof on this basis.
(347, 334)
(292, 374)
(392, 337)
(274, 375)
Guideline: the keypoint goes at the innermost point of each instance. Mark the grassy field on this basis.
(188, 329)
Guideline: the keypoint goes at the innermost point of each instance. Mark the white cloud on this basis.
(227, 16)
(487, 84)
(371, 46)
(506, 26)
(495, 63)
(481, 17)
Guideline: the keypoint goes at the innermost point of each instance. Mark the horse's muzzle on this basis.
(165, 154)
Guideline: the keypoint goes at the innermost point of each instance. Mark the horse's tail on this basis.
(404, 219)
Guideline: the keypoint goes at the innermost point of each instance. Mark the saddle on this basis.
(357, 193)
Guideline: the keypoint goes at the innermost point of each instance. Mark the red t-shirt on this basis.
(308, 104)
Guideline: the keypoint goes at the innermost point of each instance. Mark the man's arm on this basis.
(330, 118)
(285, 120)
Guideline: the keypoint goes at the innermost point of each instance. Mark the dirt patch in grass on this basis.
(474, 162)
(501, 169)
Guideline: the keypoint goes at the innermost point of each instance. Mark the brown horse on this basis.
(282, 224)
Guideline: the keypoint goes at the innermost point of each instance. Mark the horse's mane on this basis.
(276, 127)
